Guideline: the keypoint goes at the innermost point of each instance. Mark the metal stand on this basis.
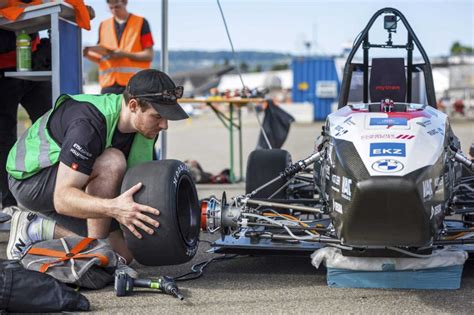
(66, 46)
(231, 123)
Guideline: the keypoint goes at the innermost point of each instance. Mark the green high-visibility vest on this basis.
(36, 149)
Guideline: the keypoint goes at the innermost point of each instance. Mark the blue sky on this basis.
(283, 25)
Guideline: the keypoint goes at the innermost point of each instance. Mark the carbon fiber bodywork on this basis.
(382, 210)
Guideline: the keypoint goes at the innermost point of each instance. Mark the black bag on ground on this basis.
(27, 291)
(276, 125)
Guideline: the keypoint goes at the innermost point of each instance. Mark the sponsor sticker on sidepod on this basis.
(337, 206)
(387, 166)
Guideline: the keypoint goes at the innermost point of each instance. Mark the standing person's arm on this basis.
(144, 55)
(89, 54)
(94, 57)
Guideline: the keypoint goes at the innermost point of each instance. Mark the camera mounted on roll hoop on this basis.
(390, 24)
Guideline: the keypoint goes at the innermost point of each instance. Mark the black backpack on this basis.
(27, 291)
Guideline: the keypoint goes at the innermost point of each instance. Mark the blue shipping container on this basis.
(315, 80)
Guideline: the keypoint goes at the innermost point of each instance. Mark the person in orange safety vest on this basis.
(125, 47)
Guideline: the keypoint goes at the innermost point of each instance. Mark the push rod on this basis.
(282, 206)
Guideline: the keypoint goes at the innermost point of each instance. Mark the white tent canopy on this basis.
(441, 81)
(257, 80)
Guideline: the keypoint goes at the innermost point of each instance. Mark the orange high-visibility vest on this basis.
(120, 70)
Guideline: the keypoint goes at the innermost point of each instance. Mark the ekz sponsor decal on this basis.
(388, 149)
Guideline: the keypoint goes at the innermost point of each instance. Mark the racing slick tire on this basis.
(263, 166)
(168, 187)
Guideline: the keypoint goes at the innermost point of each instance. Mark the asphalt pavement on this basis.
(272, 284)
(268, 284)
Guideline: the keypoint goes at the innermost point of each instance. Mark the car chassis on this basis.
(302, 215)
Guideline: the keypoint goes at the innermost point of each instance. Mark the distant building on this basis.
(461, 77)
(279, 83)
(316, 80)
(198, 82)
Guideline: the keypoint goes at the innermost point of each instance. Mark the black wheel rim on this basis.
(187, 211)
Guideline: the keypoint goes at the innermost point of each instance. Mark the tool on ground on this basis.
(124, 285)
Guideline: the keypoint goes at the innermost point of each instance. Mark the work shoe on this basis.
(19, 241)
(4, 217)
(7, 213)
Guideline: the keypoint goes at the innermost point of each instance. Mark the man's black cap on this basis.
(150, 81)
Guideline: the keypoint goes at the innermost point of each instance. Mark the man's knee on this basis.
(111, 162)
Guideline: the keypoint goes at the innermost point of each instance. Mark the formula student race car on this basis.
(383, 177)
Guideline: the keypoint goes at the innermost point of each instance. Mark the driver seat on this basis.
(388, 80)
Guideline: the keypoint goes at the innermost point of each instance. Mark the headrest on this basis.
(388, 79)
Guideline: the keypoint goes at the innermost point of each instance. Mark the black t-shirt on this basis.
(119, 28)
(7, 41)
(80, 129)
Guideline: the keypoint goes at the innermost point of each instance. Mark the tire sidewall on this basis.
(161, 180)
(264, 165)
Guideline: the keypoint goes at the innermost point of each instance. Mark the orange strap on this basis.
(83, 18)
(63, 256)
(16, 7)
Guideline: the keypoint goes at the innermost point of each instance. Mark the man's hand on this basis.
(118, 53)
(130, 214)
(71, 200)
(85, 51)
(144, 55)
(91, 54)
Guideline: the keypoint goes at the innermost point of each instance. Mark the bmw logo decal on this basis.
(387, 166)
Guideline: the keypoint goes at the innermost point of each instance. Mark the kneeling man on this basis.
(68, 166)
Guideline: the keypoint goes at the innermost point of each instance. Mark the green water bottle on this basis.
(23, 52)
